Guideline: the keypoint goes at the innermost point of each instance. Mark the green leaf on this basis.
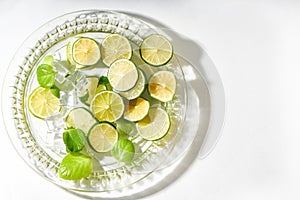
(85, 97)
(103, 80)
(123, 150)
(46, 75)
(75, 166)
(48, 60)
(74, 139)
(55, 91)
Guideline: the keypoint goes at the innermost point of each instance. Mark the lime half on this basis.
(43, 103)
(156, 50)
(155, 125)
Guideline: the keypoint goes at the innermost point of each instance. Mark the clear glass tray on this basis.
(112, 179)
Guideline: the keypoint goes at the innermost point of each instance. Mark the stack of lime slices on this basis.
(122, 98)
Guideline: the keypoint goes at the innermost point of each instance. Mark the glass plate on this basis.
(112, 179)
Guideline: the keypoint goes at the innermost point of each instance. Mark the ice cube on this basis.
(55, 125)
(79, 80)
(66, 85)
(68, 98)
(61, 69)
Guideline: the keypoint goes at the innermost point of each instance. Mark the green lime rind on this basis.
(69, 54)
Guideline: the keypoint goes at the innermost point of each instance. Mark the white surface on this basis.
(255, 45)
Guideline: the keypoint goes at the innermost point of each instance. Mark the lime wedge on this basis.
(115, 47)
(122, 75)
(107, 106)
(156, 50)
(162, 86)
(90, 90)
(137, 90)
(80, 118)
(43, 103)
(102, 137)
(136, 109)
(155, 125)
(85, 52)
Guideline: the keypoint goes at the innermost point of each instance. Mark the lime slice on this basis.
(115, 47)
(85, 52)
(102, 137)
(156, 50)
(107, 106)
(122, 75)
(89, 92)
(162, 86)
(100, 88)
(80, 118)
(136, 109)
(43, 103)
(69, 54)
(155, 125)
(137, 90)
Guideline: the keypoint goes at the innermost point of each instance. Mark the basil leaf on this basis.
(103, 80)
(75, 166)
(48, 60)
(74, 139)
(55, 91)
(46, 75)
(123, 150)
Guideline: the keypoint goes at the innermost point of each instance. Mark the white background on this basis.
(256, 48)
